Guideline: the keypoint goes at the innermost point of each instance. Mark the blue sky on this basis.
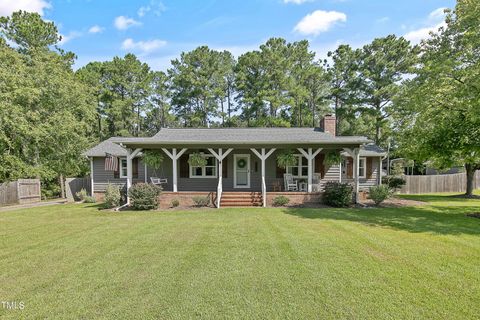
(158, 31)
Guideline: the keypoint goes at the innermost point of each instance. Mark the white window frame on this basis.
(299, 166)
(204, 176)
(364, 167)
(121, 167)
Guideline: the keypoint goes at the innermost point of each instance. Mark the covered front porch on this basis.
(234, 168)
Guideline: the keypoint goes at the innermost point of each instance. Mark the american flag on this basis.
(111, 162)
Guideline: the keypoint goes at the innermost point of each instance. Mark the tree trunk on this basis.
(337, 116)
(229, 106)
(470, 170)
(378, 123)
(62, 186)
(223, 112)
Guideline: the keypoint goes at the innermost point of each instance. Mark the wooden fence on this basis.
(20, 191)
(438, 183)
(74, 185)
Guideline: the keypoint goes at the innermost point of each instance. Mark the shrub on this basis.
(201, 201)
(280, 201)
(112, 196)
(82, 194)
(89, 199)
(144, 196)
(379, 193)
(175, 203)
(337, 194)
(394, 182)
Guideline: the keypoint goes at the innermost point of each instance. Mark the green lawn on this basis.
(74, 261)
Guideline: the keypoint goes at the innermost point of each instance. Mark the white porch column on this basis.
(145, 173)
(355, 154)
(310, 155)
(130, 156)
(220, 156)
(262, 155)
(174, 156)
(92, 188)
(340, 170)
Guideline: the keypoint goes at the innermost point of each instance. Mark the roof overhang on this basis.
(240, 144)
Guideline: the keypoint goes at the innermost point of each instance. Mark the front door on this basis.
(241, 175)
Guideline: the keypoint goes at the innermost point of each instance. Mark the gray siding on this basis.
(102, 178)
(370, 182)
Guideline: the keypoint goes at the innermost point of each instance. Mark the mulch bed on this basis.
(391, 203)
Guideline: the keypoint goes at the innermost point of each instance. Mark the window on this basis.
(208, 171)
(362, 168)
(123, 168)
(300, 169)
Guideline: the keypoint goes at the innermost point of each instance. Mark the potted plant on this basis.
(332, 158)
(197, 160)
(153, 158)
(286, 159)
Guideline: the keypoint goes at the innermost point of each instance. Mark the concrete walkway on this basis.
(33, 205)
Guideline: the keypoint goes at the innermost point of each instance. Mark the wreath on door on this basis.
(241, 163)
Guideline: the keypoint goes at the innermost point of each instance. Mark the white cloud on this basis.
(95, 29)
(434, 21)
(296, 1)
(437, 14)
(68, 37)
(143, 10)
(418, 35)
(143, 46)
(383, 20)
(157, 7)
(7, 7)
(319, 21)
(123, 23)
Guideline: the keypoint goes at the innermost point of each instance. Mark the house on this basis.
(241, 164)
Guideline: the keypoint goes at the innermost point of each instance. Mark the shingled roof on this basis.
(107, 146)
(247, 136)
(234, 136)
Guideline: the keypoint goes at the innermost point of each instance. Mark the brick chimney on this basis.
(328, 124)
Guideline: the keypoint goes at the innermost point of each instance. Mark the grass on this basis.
(76, 262)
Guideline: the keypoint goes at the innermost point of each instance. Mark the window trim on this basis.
(364, 159)
(121, 167)
(204, 176)
(300, 166)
